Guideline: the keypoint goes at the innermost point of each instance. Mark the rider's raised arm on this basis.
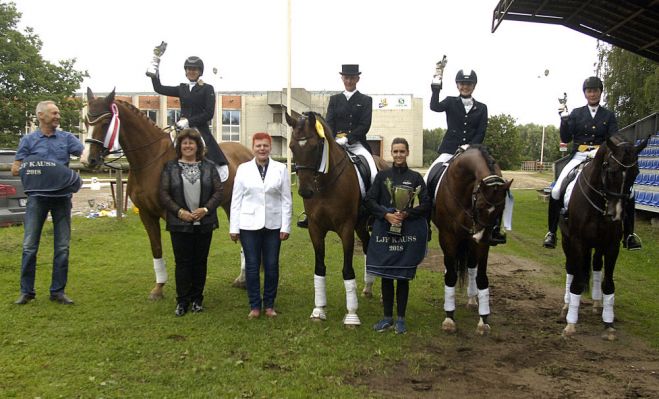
(171, 91)
(435, 104)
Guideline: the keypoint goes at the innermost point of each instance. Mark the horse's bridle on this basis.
(472, 213)
(605, 193)
(105, 151)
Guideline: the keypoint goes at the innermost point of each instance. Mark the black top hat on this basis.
(350, 69)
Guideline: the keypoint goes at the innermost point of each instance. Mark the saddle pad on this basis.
(363, 171)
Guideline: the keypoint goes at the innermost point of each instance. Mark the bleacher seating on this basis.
(646, 186)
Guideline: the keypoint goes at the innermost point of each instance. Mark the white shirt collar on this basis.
(593, 110)
(349, 94)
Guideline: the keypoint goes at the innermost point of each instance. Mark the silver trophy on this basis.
(158, 51)
(402, 197)
(439, 71)
(562, 108)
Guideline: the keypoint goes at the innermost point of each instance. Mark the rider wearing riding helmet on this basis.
(197, 108)
(587, 127)
(466, 121)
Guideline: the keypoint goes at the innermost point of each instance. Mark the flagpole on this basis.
(288, 90)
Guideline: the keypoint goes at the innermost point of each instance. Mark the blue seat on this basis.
(642, 179)
(654, 180)
(654, 201)
(639, 198)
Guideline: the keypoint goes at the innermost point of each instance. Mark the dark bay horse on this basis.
(470, 200)
(594, 224)
(331, 201)
(147, 148)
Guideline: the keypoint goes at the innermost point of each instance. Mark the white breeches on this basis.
(577, 158)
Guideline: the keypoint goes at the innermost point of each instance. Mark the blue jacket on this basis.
(581, 128)
(463, 128)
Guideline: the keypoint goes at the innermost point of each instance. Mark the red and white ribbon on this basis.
(112, 136)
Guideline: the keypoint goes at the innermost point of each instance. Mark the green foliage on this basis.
(631, 83)
(431, 141)
(530, 136)
(26, 78)
(503, 141)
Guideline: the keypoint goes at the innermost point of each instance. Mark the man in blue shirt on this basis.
(48, 144)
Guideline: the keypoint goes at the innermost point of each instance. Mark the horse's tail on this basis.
(462, 262)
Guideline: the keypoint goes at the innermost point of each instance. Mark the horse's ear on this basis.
(508, 184)
(90, 95)
(290, 120)
(110, 97)
(642, 144)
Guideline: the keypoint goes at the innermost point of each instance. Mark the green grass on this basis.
(116, 343)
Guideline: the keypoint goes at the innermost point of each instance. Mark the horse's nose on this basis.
(305, 193)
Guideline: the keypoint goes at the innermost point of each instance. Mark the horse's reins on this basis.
(604, 193)
(491, 180)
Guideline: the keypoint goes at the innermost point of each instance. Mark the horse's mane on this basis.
(139, 113)
(329, 133)
(489, 160)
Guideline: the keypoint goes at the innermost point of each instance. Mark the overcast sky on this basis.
(396, 43)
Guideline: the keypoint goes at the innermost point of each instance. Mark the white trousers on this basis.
(577, 158)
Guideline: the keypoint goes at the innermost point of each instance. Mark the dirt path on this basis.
(525, 355)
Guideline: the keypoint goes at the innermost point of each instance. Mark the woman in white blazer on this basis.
(261, 209)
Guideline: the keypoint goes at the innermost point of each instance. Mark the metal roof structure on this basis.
(629, 24)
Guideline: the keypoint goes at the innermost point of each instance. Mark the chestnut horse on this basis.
(594, 223)
(469, 202)
(331, 201)
(147, 148)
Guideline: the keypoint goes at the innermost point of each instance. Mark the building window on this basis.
(152, 114)
(173, 115)
(231, 125)
(277, 117)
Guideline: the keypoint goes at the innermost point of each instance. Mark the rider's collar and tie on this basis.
(593, 110)
(349, 94)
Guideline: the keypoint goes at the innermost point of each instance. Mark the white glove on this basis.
(562, 111)
(342, 141)
(183, 123)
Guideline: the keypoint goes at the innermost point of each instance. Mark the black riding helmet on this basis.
(593, 82)
(194, 62)
(468, 77)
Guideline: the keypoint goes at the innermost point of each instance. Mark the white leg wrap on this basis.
(242, 261)
(161, 270)
(368, 277)
(596, 290)
(573, 310)
(472, 290)
(351, 295)
(449, 299)
(568, 282)
(320, 299)
(607, 312)
(484, 302)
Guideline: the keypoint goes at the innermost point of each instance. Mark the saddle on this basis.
(568, 183)
(362, 167)
(437, 172)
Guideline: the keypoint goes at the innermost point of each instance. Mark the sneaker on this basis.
(270, 312)
(550, 240)
(24, 298)
(254, 314)
(181, 309)
(400, 327)
(383, 325)
(61, 299)
(196, 307)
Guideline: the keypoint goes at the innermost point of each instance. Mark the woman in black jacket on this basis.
(197, 108)
(378, 202)
(190, 191)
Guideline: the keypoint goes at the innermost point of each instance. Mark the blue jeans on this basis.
(35, 217)
(261, 245)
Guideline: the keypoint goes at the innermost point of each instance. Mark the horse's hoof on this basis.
(238, 283)
(570, 330)
(482, 328)
(351, 320)
(318, 314)
(597, 306)
(564, 311)
(472, 303)
(156, 296)
(609, 334)
(448, 325)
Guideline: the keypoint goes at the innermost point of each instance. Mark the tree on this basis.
(530, 136)
(431, 141)
(503, 141)
(26, 78)
(631, 83)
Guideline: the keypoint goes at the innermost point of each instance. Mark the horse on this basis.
(147, 148)
(331, 201)
(592, 228)
(469, 202)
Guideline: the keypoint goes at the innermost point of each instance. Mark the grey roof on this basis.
(630, 24)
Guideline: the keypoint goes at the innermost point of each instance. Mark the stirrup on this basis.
(632, 242)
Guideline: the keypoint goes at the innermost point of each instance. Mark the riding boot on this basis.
(552, 221)
(304, 222)
(497, 237)
(630, 240)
